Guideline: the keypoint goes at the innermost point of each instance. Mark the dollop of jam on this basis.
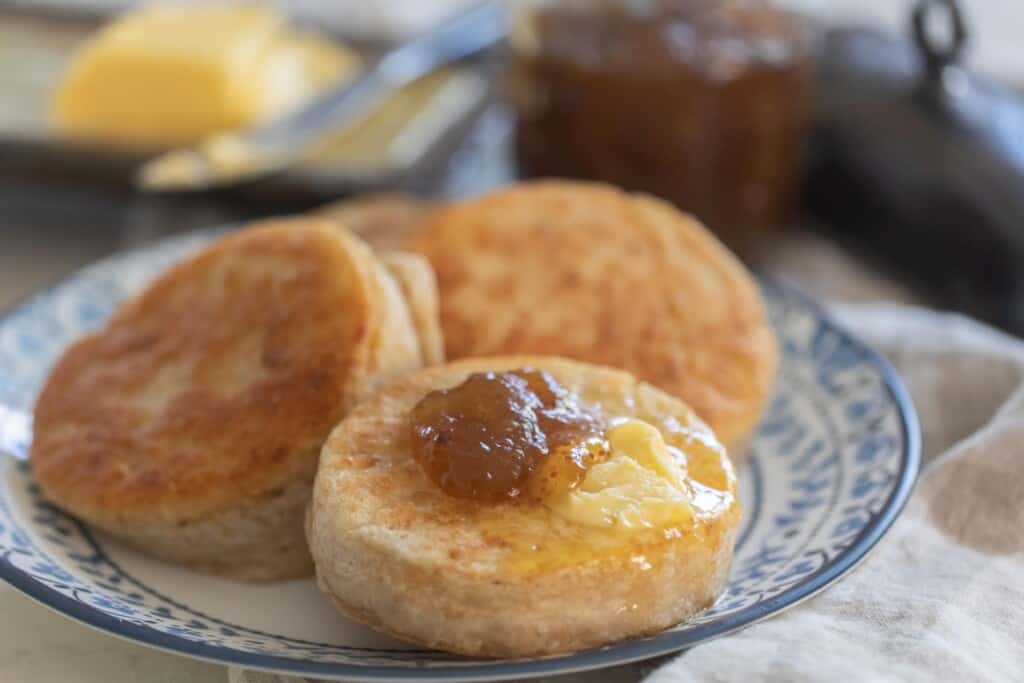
(506, 436)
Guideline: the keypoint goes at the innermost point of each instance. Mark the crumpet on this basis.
(628, 552)
(416, 279)
(385, 221)
(586, 271)
(191, 424)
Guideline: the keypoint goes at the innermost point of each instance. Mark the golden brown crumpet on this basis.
(588, 272)
(522, 578)
(386, 221)
(191, 425)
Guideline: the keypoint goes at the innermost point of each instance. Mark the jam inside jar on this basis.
(701, 102)
(506, 436)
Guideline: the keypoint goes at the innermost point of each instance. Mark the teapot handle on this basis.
(936, 52)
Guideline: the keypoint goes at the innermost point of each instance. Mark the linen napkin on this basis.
(942, 597)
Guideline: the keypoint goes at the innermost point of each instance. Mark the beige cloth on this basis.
(942, 598)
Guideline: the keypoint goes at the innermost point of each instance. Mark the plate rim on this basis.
(588, 660)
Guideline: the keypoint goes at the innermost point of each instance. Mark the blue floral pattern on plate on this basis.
(831, 466)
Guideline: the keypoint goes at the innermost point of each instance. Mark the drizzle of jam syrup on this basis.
(506, 436)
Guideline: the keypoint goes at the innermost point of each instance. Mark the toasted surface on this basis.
(416, 279)
(204, 402)
(588, 272)
(505, 579)
(386, 221)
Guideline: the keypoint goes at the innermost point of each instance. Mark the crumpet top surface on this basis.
(588, 272)
(371, 492)
(217, 384)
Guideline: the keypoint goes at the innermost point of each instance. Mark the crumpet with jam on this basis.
(522, 506)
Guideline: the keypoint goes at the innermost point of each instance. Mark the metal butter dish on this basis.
(412, 130)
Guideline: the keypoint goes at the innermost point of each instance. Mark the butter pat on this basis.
(172, 74)
(642, 485)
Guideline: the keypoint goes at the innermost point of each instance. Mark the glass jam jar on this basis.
(702, 102)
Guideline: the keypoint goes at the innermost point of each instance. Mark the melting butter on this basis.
(642, 485)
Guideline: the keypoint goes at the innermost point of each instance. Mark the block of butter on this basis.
(171, 74)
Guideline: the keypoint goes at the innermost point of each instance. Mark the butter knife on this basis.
(231, 158)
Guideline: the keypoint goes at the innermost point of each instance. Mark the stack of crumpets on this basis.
(191, 425)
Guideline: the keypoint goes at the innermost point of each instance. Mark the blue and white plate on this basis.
(831, 466)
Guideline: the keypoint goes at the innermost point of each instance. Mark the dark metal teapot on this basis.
(921, 164)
